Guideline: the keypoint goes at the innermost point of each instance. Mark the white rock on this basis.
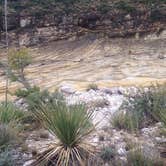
(160, 140)
(28, 163)
(67, 89)
(122, 152)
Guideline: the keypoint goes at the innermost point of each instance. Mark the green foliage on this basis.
(23, 93)
(107, 154)
(8, 136)
(71, 125)
(92, 86)
(147, 107)
(35, 99)
(123, 5)
(136, 158)
(103, 7)
(162, 116)
(19, 59)
(17, 62)
(151, 2)
(126, 120)
(10, 118)
(10, 114)
(6, 158)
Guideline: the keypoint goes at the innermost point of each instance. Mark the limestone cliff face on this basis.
(32, 21)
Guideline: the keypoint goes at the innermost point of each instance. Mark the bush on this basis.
(71, 125)
(23, 93)
(136, 158)
(92, 86)
(17, 62)
(126, 120)
(122, 5)
(6, 158)
(37, 98)
(8, 136)
(10, 114)
(107, 154)
(147, 107)
(19, 59)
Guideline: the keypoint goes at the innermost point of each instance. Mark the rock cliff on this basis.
(31, 22)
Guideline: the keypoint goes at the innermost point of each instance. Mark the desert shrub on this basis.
(137, 158)
(37, 98)
(151, 2)
(6, 158)
(107, 154)
(18, 60)
(162, 116)
(92, 86)
(162, 132)
(8, 136)
(126, 120)
(23, 93)
(71, 125)
(103, 7)
(10, 113)
(125, 6)
(148, 106)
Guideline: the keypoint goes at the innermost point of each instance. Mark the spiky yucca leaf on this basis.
(71, 125)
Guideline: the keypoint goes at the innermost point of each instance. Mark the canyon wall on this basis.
(36, 22)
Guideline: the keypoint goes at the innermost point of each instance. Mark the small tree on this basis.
(18, 60)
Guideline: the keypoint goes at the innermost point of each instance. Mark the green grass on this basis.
(8, 136)
(10, 120)
(137, 158)
(125, 120)
(10, 114)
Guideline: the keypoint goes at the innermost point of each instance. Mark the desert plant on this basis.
(18, 60)
(6, 158)
(125, 120)
(148, 106)
(23, 93)
(10, 113)
(137, 158)
(107, 154)
(38, 97)
(71, 125)
(92, 86)
(124, 5)
(162, 116)
(8, 136)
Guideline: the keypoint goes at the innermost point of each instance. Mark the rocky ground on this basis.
(104, 102)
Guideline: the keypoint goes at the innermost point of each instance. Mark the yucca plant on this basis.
(71, 125)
